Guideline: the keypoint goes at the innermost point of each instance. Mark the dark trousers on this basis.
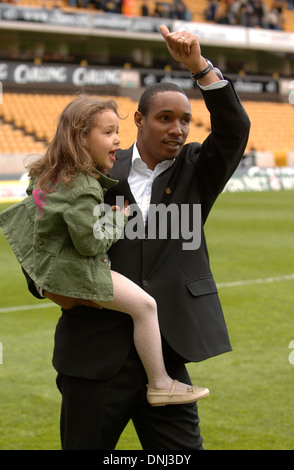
(95, 412)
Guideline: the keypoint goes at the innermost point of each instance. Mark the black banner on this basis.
(25, 73)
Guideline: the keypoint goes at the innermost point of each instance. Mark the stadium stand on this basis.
(28, 121)
(196, 9)
(28, 132)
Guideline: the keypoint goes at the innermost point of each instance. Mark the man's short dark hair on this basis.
(146, 97)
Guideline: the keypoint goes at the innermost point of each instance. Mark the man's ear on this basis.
(138, 118)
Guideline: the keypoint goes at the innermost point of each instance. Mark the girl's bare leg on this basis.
(131, 299)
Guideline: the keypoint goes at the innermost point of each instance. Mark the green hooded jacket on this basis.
(59, 240)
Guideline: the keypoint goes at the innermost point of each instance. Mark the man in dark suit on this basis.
(100, 376)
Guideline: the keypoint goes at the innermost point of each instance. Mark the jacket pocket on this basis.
(202, 286)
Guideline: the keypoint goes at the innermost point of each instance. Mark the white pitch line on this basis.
(286, 277)
(27, 307)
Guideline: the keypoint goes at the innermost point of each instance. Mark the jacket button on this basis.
(145, 283)
(41, 242)
(105, 260)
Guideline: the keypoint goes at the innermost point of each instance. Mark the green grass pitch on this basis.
(250, 238)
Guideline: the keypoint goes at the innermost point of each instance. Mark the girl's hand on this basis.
(126, 209)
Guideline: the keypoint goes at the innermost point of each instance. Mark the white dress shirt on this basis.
(141, 179)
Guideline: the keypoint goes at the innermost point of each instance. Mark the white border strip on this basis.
(286, 277)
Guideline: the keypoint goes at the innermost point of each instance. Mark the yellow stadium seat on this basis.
(32, 119)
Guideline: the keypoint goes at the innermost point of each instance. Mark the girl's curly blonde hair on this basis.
(67, 154)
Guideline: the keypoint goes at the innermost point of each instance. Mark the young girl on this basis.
(51, 234)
